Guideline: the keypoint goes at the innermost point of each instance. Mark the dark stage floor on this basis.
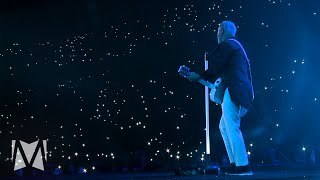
(260, 174)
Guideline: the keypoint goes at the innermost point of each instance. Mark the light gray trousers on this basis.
(230, 130)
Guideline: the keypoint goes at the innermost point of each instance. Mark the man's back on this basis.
(235, 72)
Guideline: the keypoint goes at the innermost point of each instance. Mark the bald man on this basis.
(230, 62)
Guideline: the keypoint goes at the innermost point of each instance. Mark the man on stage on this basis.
(230, 62)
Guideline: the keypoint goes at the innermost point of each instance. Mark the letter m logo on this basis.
(24, 154)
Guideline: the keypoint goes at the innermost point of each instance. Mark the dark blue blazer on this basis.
(229, 62)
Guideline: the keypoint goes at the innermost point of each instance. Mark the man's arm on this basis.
(193, 77)
(219, 60)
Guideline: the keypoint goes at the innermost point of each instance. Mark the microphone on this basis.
(205, 55)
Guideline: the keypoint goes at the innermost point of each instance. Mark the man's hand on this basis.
(194, 77)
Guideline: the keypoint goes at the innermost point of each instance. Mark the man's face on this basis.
(219, 34)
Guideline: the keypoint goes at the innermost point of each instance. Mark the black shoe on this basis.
(230, 167)
(240, 171)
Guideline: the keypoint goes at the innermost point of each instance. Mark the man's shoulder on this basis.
(228, 45)
(231, 43)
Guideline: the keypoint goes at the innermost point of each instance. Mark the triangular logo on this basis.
(29, 149)
(19, 162)
(38, 162)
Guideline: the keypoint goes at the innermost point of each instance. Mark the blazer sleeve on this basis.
(221, 55)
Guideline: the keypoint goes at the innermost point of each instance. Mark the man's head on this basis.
(226, 30)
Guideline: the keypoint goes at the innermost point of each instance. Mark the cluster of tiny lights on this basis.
(107, 112)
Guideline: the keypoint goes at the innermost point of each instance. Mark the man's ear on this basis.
(222, 32)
